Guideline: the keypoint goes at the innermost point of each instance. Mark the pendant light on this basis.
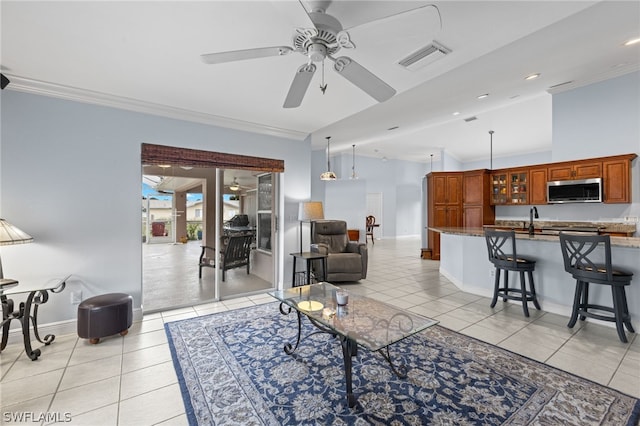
(353, 163)
(328, 175)
(491, 149)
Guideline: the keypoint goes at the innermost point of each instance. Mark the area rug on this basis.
(233, 370)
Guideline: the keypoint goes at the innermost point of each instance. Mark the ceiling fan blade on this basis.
(378, 20)
(319, 4)
(299, 86)
(363, 78)
(241, 55)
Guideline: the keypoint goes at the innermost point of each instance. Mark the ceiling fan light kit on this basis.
(235, 186)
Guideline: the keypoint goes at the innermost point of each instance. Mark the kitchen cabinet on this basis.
(575, 170)
(476, 202)
(529, 185)
(616, 181)
(499, 187)
(444, 205)
(538, 185)
(510, 186)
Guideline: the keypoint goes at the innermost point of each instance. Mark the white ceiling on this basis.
(145, 56)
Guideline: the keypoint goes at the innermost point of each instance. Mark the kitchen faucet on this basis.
(531, 213)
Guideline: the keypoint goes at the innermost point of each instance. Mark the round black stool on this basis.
(501, 246)
(588, 259)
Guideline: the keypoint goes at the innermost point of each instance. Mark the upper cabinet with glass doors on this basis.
(509, 187)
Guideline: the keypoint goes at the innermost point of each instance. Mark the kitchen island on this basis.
(464, 261)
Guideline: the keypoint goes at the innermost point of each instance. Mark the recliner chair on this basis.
(346, 261)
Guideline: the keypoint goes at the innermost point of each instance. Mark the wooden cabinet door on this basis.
(439, 189)
(454, 189)
(472, 217)
(564, 172)
(616, 182)
(587, 170)
(578, 170)
(499, 188)
(538, 186)
(440, 216)
(473, 188)
(454, 216)
(518, 187)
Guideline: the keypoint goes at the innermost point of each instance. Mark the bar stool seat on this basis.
(588, 259)
(501, 246)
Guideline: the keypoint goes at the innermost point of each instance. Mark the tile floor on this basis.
(131, 381)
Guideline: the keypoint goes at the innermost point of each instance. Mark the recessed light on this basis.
(164, 166)
(532, 76)
(483, 96)
(456, 113)
(632, 41)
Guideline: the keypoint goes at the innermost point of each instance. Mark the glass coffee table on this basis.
(364, 322)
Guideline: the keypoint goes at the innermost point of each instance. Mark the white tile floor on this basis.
(131, 381)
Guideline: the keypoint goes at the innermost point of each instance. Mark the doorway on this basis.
(204, 201)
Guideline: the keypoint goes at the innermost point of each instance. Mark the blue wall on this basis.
(80, 164)
(399, 182)
(597, 120)
(70, 176)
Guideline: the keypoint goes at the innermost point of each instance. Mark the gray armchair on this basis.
(346, 261)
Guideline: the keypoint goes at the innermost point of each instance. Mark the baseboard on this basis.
(59, 328)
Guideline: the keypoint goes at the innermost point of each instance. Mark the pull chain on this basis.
(323, 86)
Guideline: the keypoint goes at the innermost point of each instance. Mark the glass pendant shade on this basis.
(328, 176)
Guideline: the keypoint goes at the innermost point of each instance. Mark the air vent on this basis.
(424, 56)
(468, 119)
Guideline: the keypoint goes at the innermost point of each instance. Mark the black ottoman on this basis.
(105, 315)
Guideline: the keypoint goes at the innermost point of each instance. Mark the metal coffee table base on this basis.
(349, 350)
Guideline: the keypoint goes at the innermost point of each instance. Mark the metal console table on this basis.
(27, 312)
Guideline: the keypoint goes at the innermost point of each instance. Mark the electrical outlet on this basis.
(632, 219)
(76, 297)
(492, 273)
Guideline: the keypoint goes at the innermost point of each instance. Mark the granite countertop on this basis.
(611, 227)
(630, 242)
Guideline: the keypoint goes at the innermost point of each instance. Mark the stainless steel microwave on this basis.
(575, 191)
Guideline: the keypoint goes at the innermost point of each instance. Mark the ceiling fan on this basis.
(323, 40)
(235, 185)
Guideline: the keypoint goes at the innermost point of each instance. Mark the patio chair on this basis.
(235, 253)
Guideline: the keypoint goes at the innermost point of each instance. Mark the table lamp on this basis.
(309, 211)
(10, 234)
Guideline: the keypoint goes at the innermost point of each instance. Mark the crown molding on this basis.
(21, 84)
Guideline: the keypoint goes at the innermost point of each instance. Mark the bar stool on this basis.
(501, 246)
(588, 259)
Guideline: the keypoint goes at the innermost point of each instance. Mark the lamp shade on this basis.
(10, 234)
(310, 210)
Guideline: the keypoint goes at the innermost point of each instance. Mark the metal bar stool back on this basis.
(501, 247)
(588, 259)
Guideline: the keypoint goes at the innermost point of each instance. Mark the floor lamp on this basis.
(9, 235)
(309, 211)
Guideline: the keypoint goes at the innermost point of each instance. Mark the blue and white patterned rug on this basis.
(233, 371)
